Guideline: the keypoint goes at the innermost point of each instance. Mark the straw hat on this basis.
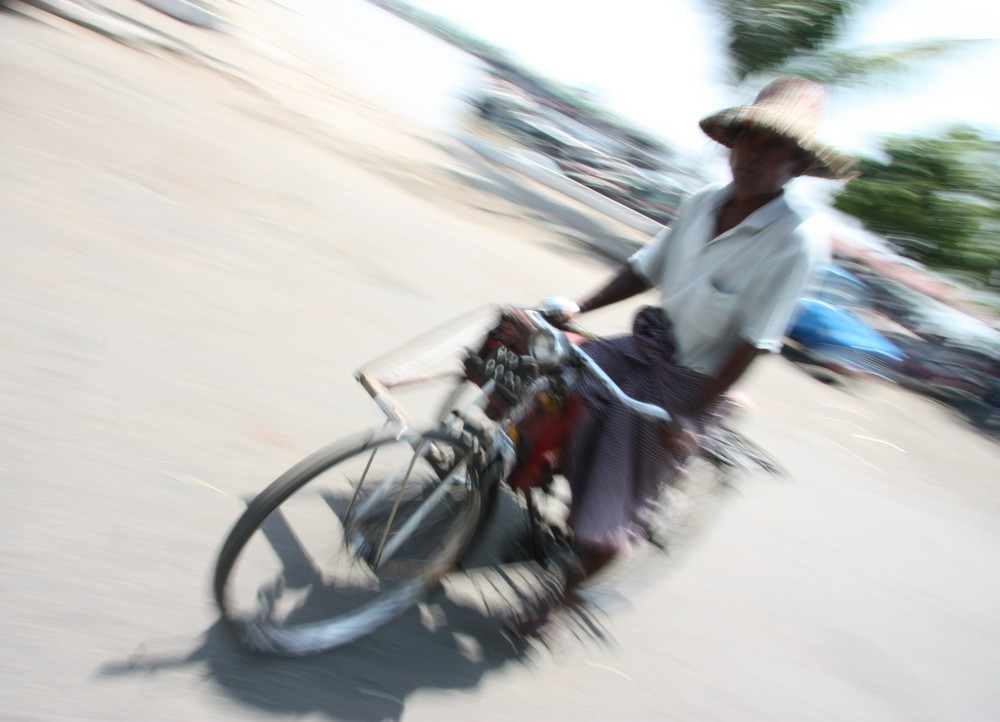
(791, 107)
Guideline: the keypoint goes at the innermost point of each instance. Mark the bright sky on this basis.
(658, 64)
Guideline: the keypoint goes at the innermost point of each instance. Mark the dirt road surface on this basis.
(201, 243)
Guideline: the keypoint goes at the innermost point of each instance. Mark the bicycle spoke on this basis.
(411, 524)
(395, 506)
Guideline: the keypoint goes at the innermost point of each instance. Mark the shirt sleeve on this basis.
(772, 300)
(650, 261)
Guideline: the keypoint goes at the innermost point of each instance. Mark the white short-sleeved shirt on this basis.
(740, 286)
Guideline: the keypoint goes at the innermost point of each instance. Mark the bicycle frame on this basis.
(528, 410)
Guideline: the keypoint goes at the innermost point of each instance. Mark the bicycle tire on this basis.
(292, 612)
(687, 506)
(684, 507)
(733, 450)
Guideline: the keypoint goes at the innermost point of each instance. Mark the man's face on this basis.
(762, 162)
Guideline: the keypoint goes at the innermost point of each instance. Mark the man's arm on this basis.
(678, 435)
(732, 370)
(624, 285)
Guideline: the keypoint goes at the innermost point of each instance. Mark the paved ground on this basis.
(198, 255)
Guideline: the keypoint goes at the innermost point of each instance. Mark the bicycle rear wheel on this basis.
(346, 540)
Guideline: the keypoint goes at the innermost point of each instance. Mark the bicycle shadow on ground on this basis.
(441, 644)
(367, 681)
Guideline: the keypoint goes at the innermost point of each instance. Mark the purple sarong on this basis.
(616, 465)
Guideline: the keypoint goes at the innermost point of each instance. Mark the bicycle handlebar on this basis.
(651, 411)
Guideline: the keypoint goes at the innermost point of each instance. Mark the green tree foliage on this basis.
(936, 198)
(762, 36)
(765, 38)
(860, 66)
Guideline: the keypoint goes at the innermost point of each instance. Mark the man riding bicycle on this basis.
(729, 271)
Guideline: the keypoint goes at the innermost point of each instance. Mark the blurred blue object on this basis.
(827, 333)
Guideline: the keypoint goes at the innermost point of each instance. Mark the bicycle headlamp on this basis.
(548, 348)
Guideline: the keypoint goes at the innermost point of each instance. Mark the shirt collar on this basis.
(761, 218)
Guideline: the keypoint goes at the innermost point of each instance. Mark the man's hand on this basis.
(678, 435)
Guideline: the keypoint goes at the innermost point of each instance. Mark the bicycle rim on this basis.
(346, 541)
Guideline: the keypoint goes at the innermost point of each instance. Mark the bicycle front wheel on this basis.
(346, 540)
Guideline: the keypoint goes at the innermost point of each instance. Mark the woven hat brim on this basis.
(827, 162)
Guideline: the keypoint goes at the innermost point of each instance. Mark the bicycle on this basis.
(361, 530)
